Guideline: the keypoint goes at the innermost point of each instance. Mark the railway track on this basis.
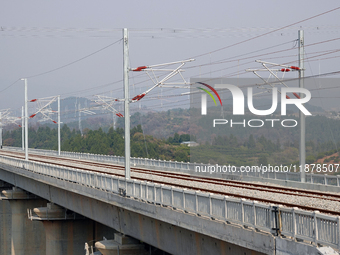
(170, 178)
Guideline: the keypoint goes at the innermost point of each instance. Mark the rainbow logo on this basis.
(209, 93)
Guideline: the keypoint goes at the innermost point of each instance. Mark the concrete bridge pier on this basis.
(120, 245)
(67, 232)
(27, 238)
(5, 221)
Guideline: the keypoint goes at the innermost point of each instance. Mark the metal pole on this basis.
(79, 120)
(114, 121)
(113, 115)
(302, 116)
(26, 122)
(0, 130)
(22, 128)
(59, 145)
(126, 103)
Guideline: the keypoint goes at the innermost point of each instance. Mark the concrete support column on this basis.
(66, 232)
(5, 226)
(27, 237)
(5, 221)
(120, 245)
(67, 237)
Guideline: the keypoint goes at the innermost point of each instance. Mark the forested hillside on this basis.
(99, 142)
(223, 145)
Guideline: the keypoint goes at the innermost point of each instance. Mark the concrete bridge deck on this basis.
(158, 215)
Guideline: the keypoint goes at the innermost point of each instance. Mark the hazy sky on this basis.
(37, 36)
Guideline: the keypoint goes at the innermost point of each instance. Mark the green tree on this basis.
(263, 160)
(310, 159)
(251, 142)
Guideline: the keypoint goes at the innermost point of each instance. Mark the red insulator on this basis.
(54, 122)
(287, 97)
(32, 116)
(19, 125)
(138, 69)
(285, 70)
(33, 100)
(295, 67)
(138, 97)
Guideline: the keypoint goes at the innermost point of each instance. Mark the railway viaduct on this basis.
(50, 209)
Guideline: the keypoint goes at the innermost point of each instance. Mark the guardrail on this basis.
(312, 226)
(333, 180)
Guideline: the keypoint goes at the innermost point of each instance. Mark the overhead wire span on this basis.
(198, 55)
(70, 29)
(243, 72)
(220, 61)
(236, 58)
(238, 73)
(253, 85)
(10, 85)
(217, 62)
(58, 68)
(174, 30)
(73, 62)
(267, 33)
